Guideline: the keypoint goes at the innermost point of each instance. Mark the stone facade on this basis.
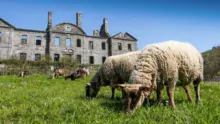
(63, 39)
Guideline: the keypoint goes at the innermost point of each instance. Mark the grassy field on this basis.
(38, 99)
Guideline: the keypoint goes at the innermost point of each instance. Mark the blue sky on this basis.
(150, 21)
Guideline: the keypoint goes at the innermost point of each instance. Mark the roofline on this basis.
(123, 39)
(130, 35)
(7, 23)
(116, 34)
(72, 25)
(30, 30)
(84, 34)
(134, 39)
(67, 33)
(98, 37)
(6, 27)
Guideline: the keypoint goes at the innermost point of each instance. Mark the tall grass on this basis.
(38, 99)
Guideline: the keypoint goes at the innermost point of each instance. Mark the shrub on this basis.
(14, 66)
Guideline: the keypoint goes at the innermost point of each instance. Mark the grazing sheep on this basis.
(170, 63)
(116, 69)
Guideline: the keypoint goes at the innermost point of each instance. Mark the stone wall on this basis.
(11, 41)
(124, 43)
(6, 42)
(30, 48)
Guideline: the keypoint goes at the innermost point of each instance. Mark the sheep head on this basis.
(91, 90)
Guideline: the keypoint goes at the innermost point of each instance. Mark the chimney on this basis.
(104, 29)
(95, 32)
(105, 23)
(78, 19)
(49, 25)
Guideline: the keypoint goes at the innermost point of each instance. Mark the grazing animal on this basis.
(169, 63)
(72, 76)
(86, 71)
(59, 71)
(116, 69)
(80, 73)
(134, 95)
(24, 73)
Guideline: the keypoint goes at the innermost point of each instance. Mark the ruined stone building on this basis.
(61, 40)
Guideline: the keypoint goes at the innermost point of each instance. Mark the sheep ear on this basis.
(145, 88)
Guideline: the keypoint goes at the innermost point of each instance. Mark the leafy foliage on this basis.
(43, 66)
(211, 62)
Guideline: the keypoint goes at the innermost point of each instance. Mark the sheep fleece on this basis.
(116, 69)
(174, 61)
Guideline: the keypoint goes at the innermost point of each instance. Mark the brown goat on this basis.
(135, 95)
(59, 71)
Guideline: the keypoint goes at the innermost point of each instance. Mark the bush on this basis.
(14, 66)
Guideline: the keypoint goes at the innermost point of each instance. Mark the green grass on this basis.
(38, 99)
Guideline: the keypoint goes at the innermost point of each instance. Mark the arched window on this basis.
(90, 44)
(68, 28)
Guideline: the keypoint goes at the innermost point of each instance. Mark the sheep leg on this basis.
(128, 104)
(170, 92)
(123, 94)
(188, 94)
(197, 90)
(138, 102)
(113, 93)
(159, 95)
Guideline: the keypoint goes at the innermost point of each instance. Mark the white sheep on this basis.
(170, 63)
(116, 69)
